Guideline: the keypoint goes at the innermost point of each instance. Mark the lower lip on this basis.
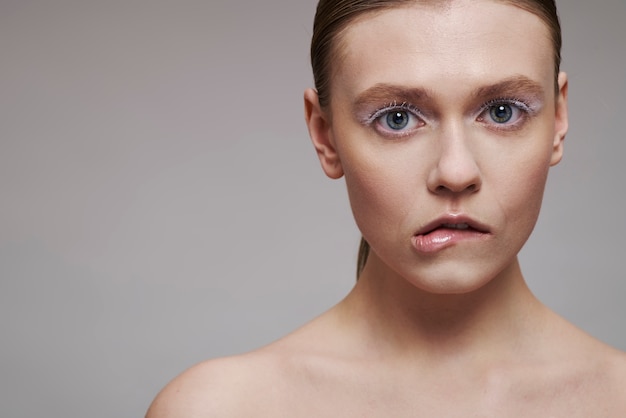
(444, 238)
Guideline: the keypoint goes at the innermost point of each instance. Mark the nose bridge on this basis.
(456, 169)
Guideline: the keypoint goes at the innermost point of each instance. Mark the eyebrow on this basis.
(517, 84)
(382, 92)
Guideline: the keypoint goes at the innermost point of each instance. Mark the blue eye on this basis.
(501, 113)
(505, 114)
(397, 120)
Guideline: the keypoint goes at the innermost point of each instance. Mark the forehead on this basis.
(462, 42)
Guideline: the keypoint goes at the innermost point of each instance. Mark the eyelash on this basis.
(413, 111)
(517, 104)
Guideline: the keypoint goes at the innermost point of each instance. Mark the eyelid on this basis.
(519, 103)
(371, 118)
(528, 109)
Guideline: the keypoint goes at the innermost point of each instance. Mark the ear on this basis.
(317, 120)
(561, 122)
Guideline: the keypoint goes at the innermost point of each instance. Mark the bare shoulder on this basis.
(224, 387)
(610, 384)
(616, 370)
(261, 383)
(605, 383)
(585, 375)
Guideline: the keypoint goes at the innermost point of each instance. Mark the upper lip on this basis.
(452, 219)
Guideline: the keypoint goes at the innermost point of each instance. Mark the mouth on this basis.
(448, 231)
(462, 226)
(456, 224)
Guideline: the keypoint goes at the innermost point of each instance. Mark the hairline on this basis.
(337, 51)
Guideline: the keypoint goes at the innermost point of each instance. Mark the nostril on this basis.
(470, 188)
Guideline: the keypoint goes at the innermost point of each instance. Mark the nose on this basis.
(456, 169)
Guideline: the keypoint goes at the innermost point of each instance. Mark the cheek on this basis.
(522, 192)
(380, 193)
(368, 190)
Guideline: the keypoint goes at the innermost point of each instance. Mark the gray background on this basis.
(160, 203)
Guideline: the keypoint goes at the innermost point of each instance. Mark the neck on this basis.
(401, 318)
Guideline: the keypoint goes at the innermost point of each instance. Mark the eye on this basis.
(501, 113)
(396, 120)
(505, 114)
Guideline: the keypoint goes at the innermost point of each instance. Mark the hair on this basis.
(333, 16)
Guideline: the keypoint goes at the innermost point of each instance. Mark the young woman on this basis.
(444, 117)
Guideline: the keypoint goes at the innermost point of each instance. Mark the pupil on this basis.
(397, 120)
(501, 113)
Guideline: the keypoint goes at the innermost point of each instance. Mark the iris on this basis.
(397, 120)
(501, 113)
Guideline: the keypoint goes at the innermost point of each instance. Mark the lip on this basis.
(453, 219)
(438, 235)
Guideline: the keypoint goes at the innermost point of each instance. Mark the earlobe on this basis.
(561, 121)
(321, 135)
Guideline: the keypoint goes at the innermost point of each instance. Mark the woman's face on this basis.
(444, 121)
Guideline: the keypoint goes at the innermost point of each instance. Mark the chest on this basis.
(447, 396)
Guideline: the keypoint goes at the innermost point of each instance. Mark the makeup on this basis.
(447, 231)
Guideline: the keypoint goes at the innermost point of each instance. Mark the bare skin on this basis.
(443, 326)
(350, 363)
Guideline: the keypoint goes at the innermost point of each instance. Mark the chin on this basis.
(449, 286)
(452, 281)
